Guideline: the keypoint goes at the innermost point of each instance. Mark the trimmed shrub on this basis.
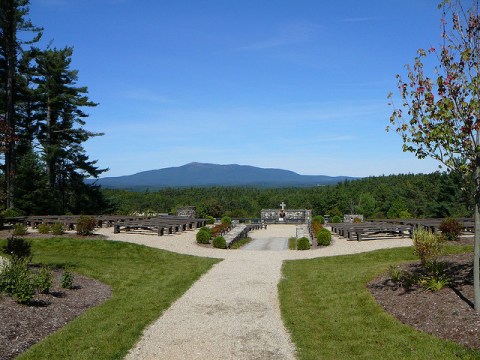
(451, 229)
(324, 237)
(318, 218)
(210, 219)
(44, 280)
(20, 229)
(203, 237)
(206, 229)
(85, 225)
(226, 220)
(67, 279)
(17, 248)
(16, 280)
(303, 243)
(219, 242)
(336, 219)
(427, 246)
(57, 229)
(43, 228)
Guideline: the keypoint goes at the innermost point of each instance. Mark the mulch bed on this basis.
(447, 314)
(21, 326)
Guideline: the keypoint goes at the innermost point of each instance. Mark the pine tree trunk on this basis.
(10, 59)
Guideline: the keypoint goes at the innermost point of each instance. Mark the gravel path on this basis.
(233, 311)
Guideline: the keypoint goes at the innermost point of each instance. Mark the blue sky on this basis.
(299, 85)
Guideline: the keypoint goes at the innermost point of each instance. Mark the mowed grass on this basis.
(145, 282)
(331, 315)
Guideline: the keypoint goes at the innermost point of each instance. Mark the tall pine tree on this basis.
(12, 21)
(61, 134)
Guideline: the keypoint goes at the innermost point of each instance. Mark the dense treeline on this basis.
(432, 195)
(42, 118)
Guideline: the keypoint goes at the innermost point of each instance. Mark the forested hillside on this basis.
(432, 195)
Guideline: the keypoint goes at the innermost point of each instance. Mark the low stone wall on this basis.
(302, 215)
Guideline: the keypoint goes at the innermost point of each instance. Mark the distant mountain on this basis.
(201, 175)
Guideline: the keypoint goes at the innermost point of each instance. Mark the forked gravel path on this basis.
(233, 311)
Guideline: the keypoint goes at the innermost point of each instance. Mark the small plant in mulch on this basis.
(85, 225)
(451, 229)
(431, 274)
(67, 279)
(58, 229)
(20, 229)
(44, 280)
(43, 228)
(17, 280)
(427, 246)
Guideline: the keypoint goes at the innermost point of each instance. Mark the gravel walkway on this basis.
(233, 311)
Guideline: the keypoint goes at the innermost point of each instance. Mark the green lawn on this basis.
(145, 282)
(331, 315)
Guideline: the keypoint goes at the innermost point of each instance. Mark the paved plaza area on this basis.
(233, 311)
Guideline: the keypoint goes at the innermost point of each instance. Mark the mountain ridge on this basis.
(196, 174)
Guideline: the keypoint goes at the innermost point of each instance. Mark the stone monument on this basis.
(187, 211)
(286, 215)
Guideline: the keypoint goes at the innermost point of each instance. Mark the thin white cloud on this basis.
(289, 34)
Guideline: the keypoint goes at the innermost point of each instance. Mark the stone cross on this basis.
(283, 205)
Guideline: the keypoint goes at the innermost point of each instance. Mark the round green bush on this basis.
(219, 242)
(227, 220)
(303, 244)
(210, 219)
(43, 228)
(58, 229)
(207, 230)
(324, 237)
(203, 237)
(319, 218)
(336, 219)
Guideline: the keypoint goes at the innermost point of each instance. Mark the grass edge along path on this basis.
(145, 282)
(330, 313)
